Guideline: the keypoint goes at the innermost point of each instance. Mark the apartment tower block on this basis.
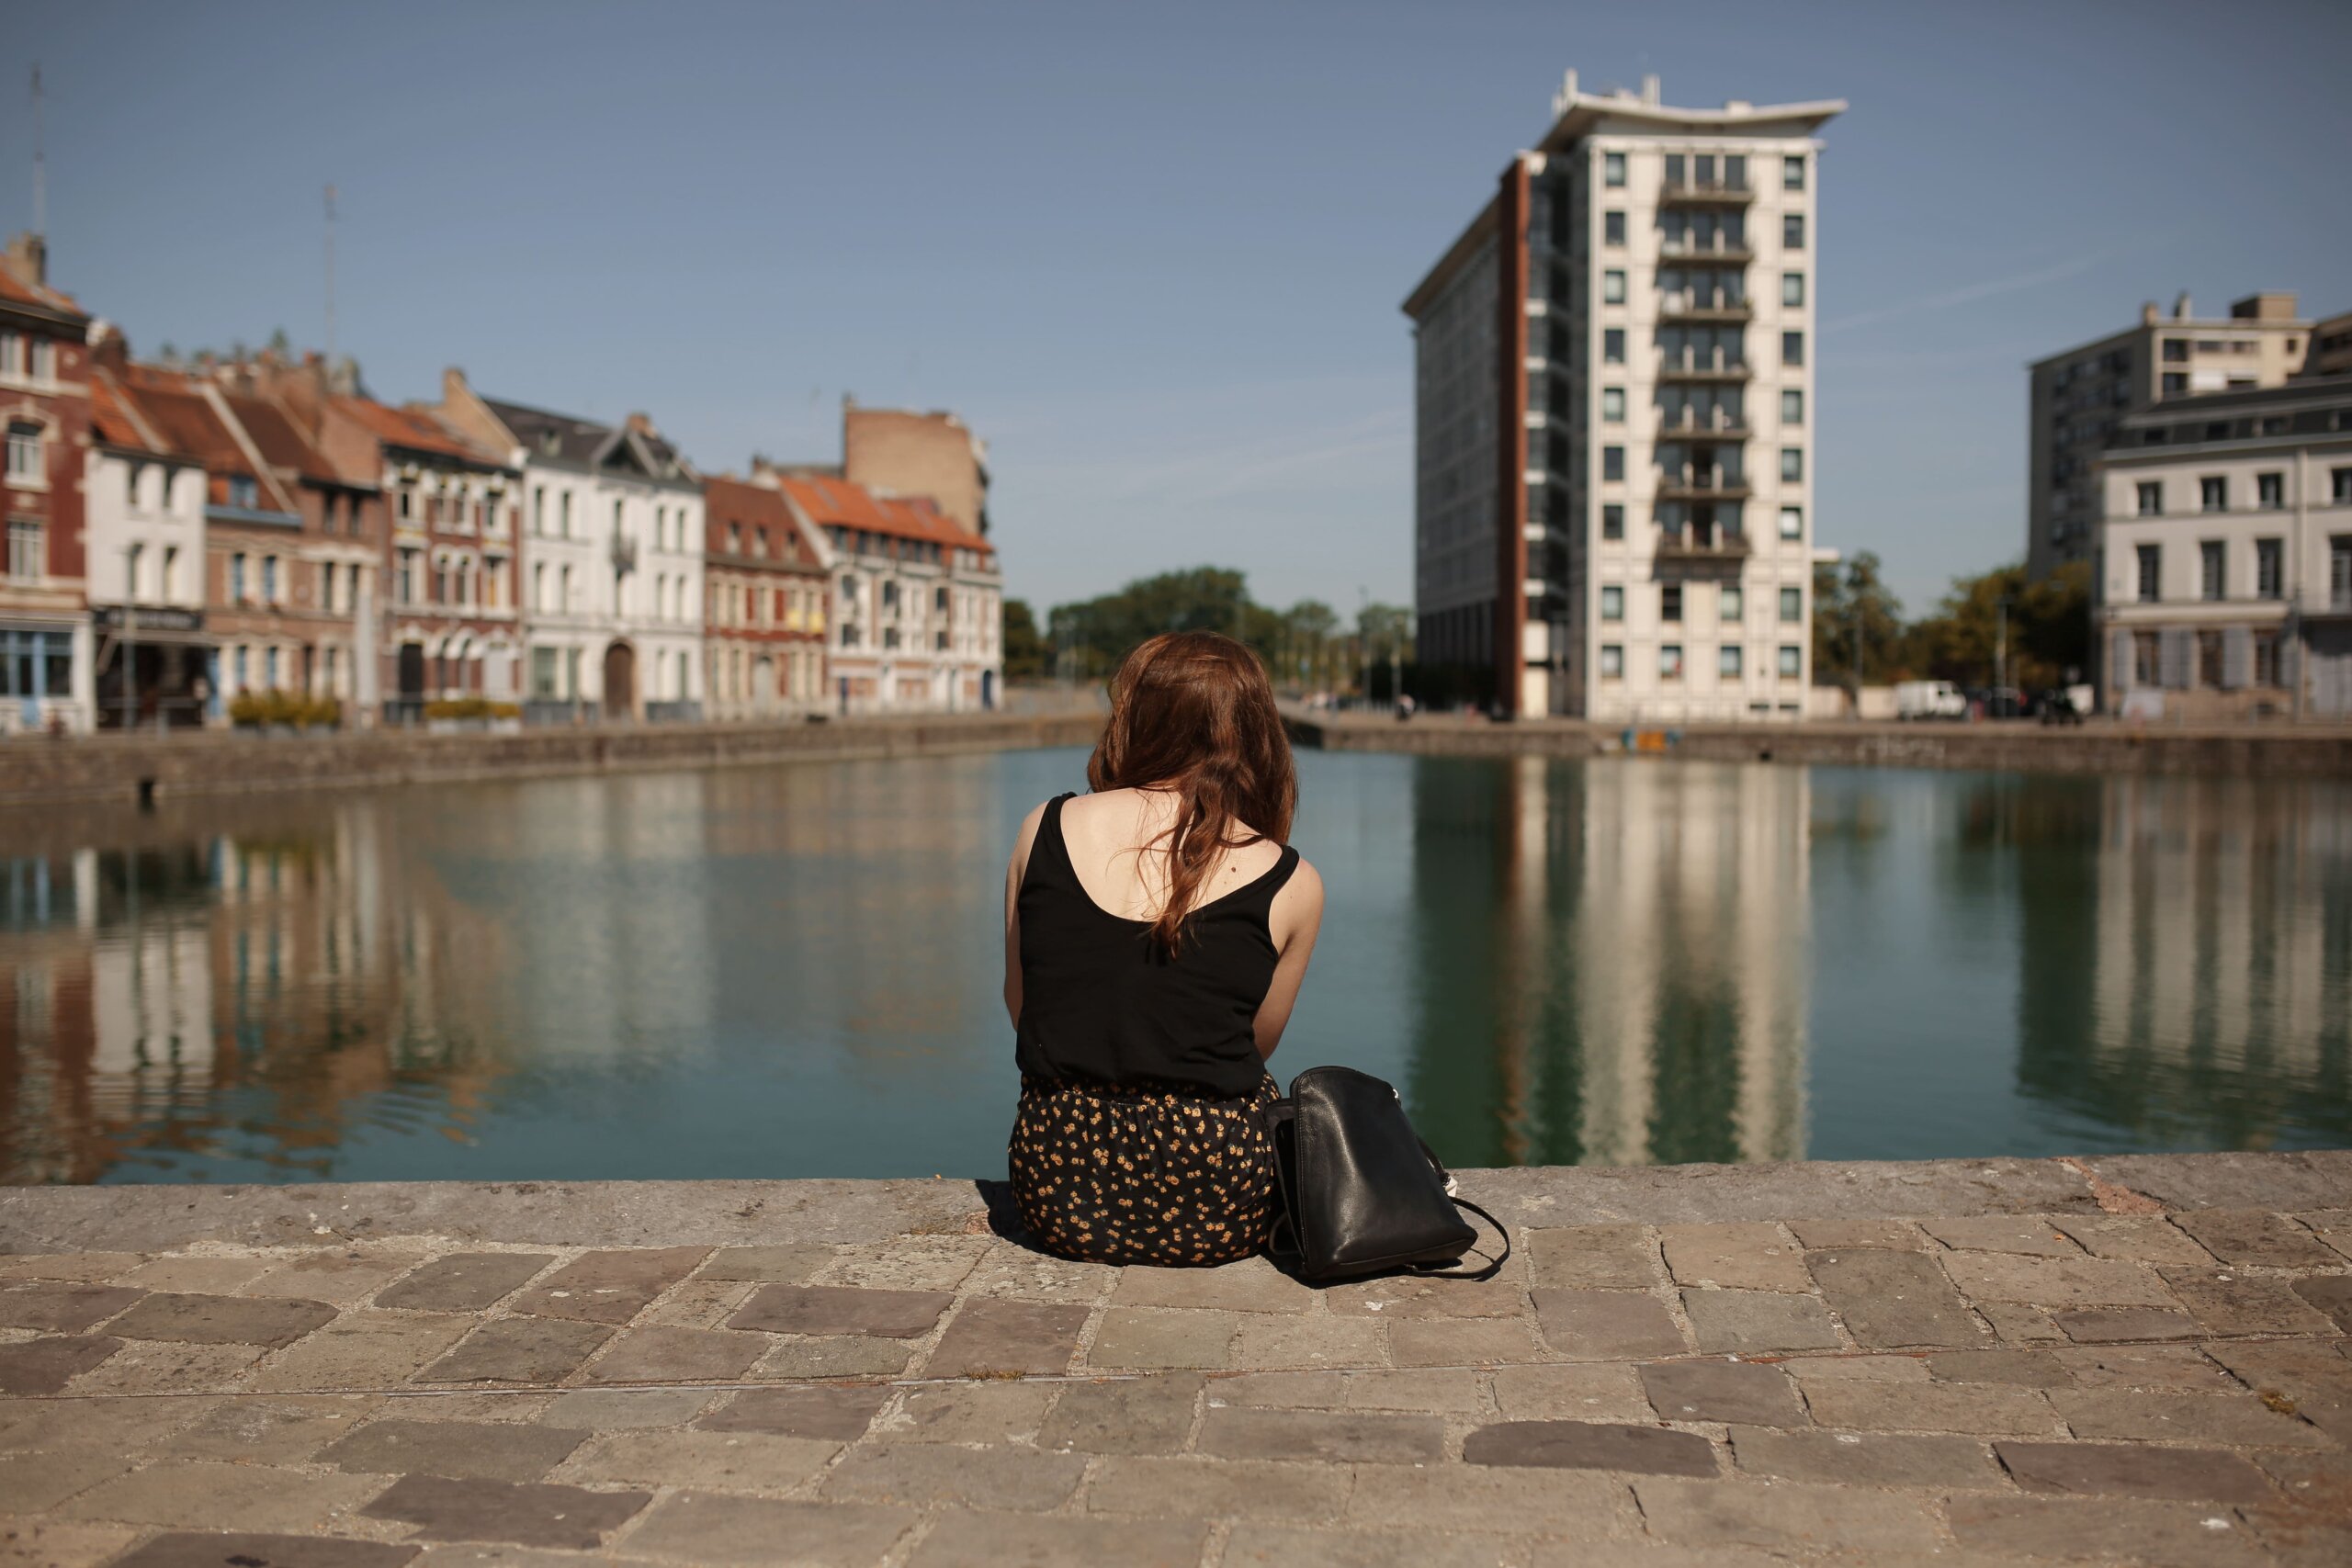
(1613, 371)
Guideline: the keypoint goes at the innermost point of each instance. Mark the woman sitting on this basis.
(1155, 934)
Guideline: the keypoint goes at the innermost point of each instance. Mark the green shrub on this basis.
(291, 709)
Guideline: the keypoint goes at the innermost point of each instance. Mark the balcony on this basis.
(1701, 543)
(1688, 428)
(1704, 484)
(1688, 192)
(1682, 252)
(1702, 369)
(1673, 310)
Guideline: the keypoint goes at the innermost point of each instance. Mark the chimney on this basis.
(2148, 316)
(109, 350)
(28, 260)
(1649, 90)
(2181, 306)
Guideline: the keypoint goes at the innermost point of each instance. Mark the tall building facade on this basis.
(2226, 555)
(2081, 397)
(1614, 415)
(900, 452)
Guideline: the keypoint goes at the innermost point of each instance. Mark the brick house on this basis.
(144, 498)
(45, 641)
(764, 597)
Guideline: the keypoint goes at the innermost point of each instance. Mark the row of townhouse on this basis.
(178, 536)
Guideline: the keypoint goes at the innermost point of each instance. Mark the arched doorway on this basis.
(987, 688)
(620, 681)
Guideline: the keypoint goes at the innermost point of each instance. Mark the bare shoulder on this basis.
(1304, 891)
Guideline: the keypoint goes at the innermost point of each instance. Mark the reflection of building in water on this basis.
(254, 994)
(1615, 960)
(2207, 999)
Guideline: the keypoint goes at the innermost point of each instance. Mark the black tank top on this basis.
(1099, 1002)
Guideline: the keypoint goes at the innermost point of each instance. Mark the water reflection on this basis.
(1631, 939)
(793, 971)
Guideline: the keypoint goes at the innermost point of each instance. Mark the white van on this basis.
(1929, 699)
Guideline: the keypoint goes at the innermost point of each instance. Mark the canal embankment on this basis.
(2130, 1359)
(107, 768)
(2096, 746)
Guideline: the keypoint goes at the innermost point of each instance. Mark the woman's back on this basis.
(1103, 999)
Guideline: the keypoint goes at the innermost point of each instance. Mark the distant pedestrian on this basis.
(1405, 706)
(1156, 932)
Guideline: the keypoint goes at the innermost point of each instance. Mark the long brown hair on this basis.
(1193, 713)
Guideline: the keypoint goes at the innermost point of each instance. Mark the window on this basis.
(242, 491)
(1792, 522)
(1792, 172)
(2212, 570)
(1612, 286)
(237, 578)
(172, 572)
(1612, 170)
(26, 560)
(2213, 493)
(2270, 492)
(1669, 601)
(1612, 603)
(1727, 660)
(1733, 602)
(1735, 171)
(12, 352)
(1792, 348)
(563, 514)
(1669, 661)
(1792, 605)
(2176, 382)
(1612, 346)
(2208, 660)
(269, 668)
(243, 667)
(2266, 659)
(2176, 351)
(2151, 572)
(1612, 660)
(1793, 463)
(2151, 497)
(1613, 404)
(2340, 486)
(1792, 661)
(1612, 228)
(1792, 289)
(540, 590)
(2339, 572)
(23, 450)
(326, 586)
(1676, 164)
(1612, 522)
(1791, 406)
(1612, 462)
(1792, 231)
(2268, 575)
(540, 526)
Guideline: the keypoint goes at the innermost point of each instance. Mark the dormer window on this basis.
(242, 491)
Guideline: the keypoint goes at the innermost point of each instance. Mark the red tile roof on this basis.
(754, 505)
(112, 421)
(832, 503)
(279, 440)
(412, 428)
(23, 293)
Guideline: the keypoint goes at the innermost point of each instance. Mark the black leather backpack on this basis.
(1360, 1192)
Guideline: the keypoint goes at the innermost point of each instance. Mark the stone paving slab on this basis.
(1987, 1363)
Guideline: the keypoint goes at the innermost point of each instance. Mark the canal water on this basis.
(795, 971)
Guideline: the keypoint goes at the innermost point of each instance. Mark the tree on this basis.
(1024, 650)
(1856, 623)
(280, 344)
(1090, 638)
(2048, 626)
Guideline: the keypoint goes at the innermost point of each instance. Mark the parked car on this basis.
(1929, 699)
(2056, 705)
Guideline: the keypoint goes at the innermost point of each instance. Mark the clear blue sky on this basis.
(1153, 253)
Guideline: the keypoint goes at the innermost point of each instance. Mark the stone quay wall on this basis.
(2119, 1361)
(39, 770)
(2001, 747)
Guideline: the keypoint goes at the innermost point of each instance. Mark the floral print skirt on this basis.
(1143, 1173)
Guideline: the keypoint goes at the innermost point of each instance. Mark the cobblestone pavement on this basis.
(2110, 1377)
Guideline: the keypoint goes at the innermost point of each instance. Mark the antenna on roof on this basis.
(41, 165)
(329, 277)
